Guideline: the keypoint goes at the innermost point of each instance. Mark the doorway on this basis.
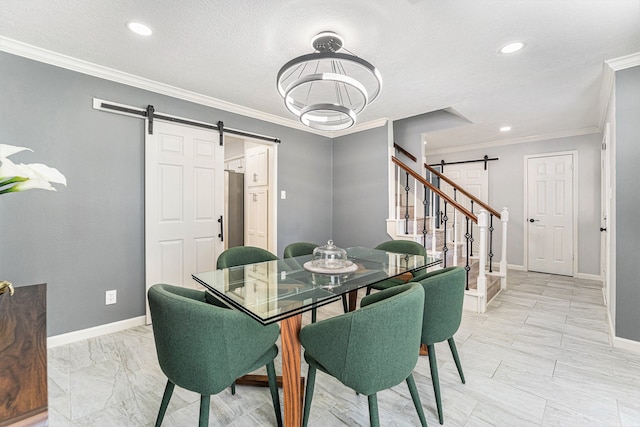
(550, 214)
(253, 163)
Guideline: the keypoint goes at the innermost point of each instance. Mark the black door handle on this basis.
(533, 220)
(603, 229)
(221, 236)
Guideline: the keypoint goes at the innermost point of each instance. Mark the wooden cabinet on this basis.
(23, 357)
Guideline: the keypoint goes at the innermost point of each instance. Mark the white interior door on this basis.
(184, 199)
(550, 214)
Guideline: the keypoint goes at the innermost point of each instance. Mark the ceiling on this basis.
(433, 55)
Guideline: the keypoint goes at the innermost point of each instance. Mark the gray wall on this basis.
(627, 284)
(88, 237)
(360, 182)
(506, 189)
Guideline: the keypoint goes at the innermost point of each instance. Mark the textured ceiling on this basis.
(432, 54)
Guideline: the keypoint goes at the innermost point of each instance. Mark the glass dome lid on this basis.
(329, 256)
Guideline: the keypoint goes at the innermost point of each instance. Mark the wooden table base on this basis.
(262, 381)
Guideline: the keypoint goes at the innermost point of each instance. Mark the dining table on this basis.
(281, 290)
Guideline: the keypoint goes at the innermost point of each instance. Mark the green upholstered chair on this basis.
(293, 250)
(242, 255)
(234, 257)
(443, 300)
(370, 349)
(239, 255)
(299, 249)
(402, 247)
(204, 348)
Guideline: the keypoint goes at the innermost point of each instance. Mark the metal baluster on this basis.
(406, 206)
(444, 246)
(425, 205)
(471, 234)
(467, 267)
(490, 242)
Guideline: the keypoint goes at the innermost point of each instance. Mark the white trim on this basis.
(608, 84)
(623, 62)
(25, 50)
(626, 344)
(621, 343)
(526, 139)
(588, 276)
(96, 331)
(359, 128)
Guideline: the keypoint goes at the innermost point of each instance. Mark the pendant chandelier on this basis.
(327, 89)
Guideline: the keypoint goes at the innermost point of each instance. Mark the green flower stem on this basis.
(10, 181)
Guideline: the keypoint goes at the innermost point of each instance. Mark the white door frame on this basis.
(606, 200)
(574, 201)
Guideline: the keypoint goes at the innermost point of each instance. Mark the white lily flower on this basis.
(48, 173)
(23, 177)
(7, 150)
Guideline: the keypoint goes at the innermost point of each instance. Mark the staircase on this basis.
(434, 211)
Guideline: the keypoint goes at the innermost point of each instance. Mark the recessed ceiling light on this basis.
(139, 28)
(505, 128)
(512, 47)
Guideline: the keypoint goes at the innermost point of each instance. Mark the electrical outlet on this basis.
(110, 297)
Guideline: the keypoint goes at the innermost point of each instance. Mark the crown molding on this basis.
(623, 62)
(361, 127)
(513, 141)
(64, 61)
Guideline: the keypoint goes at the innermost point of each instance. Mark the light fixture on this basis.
(512, 47)
(139, 28)
(505, 128)
(327, 89)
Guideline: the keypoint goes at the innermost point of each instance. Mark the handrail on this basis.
(463, 191)
(405, 152)
(436, 190)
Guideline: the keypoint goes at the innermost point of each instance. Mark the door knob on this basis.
(533, 220)
(603, 229)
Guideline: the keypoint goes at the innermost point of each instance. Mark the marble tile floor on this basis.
(540, 356)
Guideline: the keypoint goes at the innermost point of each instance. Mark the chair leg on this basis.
(368, 290)
(313, 315)
(273, 387)
(433, 364)
(308, 395)
(411, 383)
(345, 304)
(374, 418)
(168, 391)
(204, 410)
(233, 388)
(454, 352)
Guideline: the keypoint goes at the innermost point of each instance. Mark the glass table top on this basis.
(274, 290)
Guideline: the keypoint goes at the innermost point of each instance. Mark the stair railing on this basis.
(437, 211)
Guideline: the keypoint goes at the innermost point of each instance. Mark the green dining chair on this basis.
(443, 301)
(242, 255)
(370, 349)
(293, 250)
(204, 348)
(234, 257)
(401, 247)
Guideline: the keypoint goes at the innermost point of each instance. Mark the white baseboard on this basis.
(625, 344)
(621, 343)
(96, 331)
(585, 276)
